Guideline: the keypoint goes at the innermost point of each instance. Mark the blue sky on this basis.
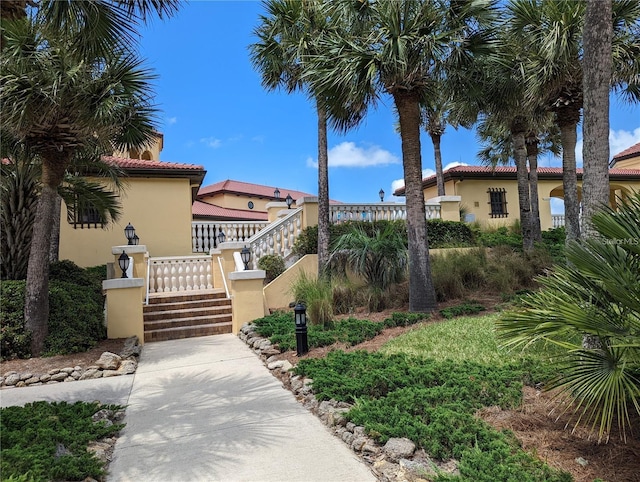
(216, 113)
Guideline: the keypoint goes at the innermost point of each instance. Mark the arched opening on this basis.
(146, 155)
(134, 154)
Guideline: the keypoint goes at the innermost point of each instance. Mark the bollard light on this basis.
(302, 342)
(289, 201)
(381, 194)
(221, 236)
(245, 255)
(129, 232)
(276, 194)
(123, 262)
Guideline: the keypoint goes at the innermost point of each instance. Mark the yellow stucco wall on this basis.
(633, 163)
(475, 198)
(237, 201)
(150, 152)
(160, 211)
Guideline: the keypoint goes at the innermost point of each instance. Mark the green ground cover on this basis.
(427, 384)
(48, 441)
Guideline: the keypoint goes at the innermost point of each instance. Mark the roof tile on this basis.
(200, 208)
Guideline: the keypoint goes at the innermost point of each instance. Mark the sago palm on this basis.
(597, 294)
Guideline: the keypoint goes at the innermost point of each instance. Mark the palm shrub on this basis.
(273, 265)
(596, 294)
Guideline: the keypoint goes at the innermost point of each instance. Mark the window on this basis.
(250, 204)
(498, 202)
(83, 214)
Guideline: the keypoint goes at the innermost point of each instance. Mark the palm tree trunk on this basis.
(435, 139)
(422, 295)
(532, 157)
(524, 201)
(323, 191)
(597, 35)
(569, 177)
(36, 305)
(54, 247)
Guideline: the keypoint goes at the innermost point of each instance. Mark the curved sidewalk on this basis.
(207, 409)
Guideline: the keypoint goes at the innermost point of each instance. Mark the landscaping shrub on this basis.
(14, 341)
(346, 296)
(280, 329)
(273, 265)
(501, 236)
(405, 319)
(441, 234)
(76, 312)
(317, 296)
(432, 403)
(466, 308)
(31, 437)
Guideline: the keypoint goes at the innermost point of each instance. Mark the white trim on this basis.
(118, 283)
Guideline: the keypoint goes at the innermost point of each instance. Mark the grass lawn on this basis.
(464, 338)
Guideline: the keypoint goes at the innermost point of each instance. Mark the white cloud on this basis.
(171, 120)
(454, 164)
(347, 154)
(211, 142)
(398, 183)
(618, 142)
(621, 140)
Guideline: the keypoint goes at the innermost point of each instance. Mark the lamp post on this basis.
(221, 237)
(276, 194)
(302, 343)
(245, 255)
(129, 233)
(123, 262)
(289, 201)
(381, 194)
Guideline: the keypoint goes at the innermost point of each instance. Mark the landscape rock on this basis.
(12, 379)
(399, 448)
(131, 347)
(109, 361)
(127, 367)
(58, 377)
(90, 374)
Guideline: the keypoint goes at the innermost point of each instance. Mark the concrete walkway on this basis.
(207, 409)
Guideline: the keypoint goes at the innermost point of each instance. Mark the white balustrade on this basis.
(204, 235)
(276, 239)
(186, 273)
(557, 220)
(376, 212)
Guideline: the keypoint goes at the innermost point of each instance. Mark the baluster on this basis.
(271, 244)
(189, 276)
(194, 240)
(174, 278)
(159, 279)
(199, 236)
(278, 236)
(152, 279)
(206, 238)
(208, 272)
(166, 281)
(201, 276)
(180, 276)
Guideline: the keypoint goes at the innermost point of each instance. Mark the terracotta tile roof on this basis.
(203, 209)
(144, 164)
(509, 172)
(632, 151)
(257, 190)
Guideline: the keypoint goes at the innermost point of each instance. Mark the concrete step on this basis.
(178, 332)
(186, 322)
(179, 314)
(186, 305)
(177, 297)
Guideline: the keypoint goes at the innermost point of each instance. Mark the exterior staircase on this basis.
(170, 316)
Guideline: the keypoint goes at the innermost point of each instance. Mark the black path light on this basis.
(276, 193)
(123, 262)
(136, 240)
(381, 194)
(245, 255)
(302, 343)
(289, 201)
(130, 232)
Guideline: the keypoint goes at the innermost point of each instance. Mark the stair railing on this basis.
(278, 238)
(179, 273)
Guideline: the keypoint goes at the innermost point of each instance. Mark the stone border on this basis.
(108, 365)
(396, 461)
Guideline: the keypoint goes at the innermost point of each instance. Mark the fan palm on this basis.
(395, 47)
(552, 31)
(598, 294)
(286, 36)
(59, 101)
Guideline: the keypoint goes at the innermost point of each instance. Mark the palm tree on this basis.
(598, 294)
(286, 36)
(597, 39)
(436, 111)
(552, 31)
(60, 100)
(395, 48)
